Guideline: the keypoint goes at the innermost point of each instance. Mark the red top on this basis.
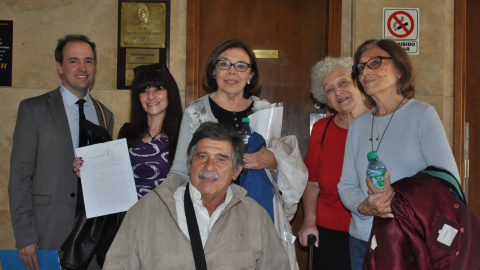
(324, 163)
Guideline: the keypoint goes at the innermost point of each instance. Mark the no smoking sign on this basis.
(401, 25)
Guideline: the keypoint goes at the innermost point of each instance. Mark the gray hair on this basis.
(218, 132)
(322, 69)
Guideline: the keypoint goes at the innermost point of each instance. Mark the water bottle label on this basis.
(245, 139)
(378, 180)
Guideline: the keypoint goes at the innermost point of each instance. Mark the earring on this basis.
(248, 82)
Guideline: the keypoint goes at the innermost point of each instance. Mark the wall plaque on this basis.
(6, 42)
(266, 53)
(143, 36)
(137, 57)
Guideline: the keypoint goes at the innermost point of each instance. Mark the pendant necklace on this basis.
(153, 137)
(385, 130)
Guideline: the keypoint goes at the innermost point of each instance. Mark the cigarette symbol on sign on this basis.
(396, 28)
(396, 22)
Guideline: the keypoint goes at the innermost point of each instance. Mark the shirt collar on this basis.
(70, 99)
(197, 197)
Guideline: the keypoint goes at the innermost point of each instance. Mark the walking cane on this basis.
(311, 242)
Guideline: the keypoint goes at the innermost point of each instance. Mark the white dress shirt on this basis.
(204, 220)
(71, 108)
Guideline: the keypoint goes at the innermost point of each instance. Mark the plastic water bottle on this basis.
(376, 169)
(245, 131)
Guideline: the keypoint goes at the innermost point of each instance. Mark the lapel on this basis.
(57, 108)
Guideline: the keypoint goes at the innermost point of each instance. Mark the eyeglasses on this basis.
(154, 67)
(371, 63)
(226, 64)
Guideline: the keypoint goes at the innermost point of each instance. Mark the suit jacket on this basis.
(43, 187)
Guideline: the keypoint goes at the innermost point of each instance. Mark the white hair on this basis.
(322, 69)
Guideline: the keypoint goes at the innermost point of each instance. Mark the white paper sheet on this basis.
(107, 178)
(268, 122)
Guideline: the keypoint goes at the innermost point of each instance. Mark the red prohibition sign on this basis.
(394, 17)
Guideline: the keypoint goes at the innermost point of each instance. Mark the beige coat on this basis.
(242, 238)
(289, 182)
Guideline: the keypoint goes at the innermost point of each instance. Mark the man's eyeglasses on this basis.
(154, 67)
(226, 64)
(371, 63)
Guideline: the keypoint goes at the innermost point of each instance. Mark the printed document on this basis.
(107, 178)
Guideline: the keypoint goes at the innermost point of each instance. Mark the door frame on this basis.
(459, 89)
(193, 83)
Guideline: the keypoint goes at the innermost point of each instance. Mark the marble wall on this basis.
(39, 24)
(433, 64)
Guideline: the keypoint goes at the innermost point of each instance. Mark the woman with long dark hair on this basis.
(152, 133)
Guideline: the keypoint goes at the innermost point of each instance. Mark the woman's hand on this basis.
(305, 231)
(378, 201)
(263, 159)
(309, 226)
(77, 164)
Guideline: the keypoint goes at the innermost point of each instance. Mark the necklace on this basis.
(153, 137)
(385, 130)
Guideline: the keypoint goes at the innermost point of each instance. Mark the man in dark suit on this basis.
(43, 189)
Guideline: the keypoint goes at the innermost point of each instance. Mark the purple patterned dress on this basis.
(149, 164)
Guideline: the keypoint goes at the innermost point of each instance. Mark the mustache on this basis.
(203, 175)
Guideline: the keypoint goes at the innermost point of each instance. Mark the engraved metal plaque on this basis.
(266, 53)
(143, 25)
(138, 57)
(143, 36)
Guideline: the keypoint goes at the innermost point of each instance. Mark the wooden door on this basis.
(472, 111)
(303, 32)
(467, 98)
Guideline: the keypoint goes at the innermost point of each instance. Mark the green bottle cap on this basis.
(246, 120)
(372, 155)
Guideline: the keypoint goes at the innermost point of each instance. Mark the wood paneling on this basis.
(303, 32)
(467, 97)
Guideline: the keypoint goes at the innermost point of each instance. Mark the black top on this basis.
(223, 116)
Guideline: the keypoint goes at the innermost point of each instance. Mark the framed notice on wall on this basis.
(6, 42)
(143, 36)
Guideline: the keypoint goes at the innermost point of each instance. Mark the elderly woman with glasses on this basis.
(324, 215)
(152, 133)
(407, 135)
(231, 75)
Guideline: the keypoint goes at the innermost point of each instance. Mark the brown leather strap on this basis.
(103, 112)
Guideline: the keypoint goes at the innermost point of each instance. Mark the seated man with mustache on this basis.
(232, 230)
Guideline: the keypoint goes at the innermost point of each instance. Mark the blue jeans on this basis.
(357, 252)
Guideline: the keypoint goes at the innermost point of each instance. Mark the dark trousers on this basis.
(333, 251)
